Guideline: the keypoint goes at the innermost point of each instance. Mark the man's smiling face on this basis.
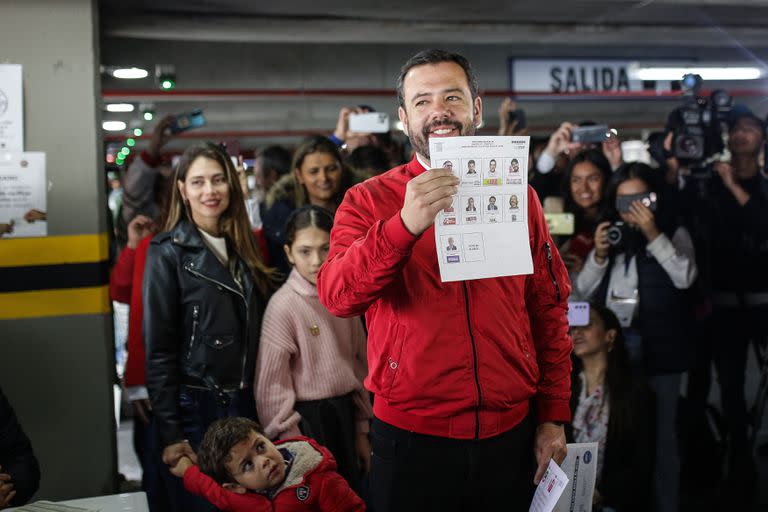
(438, 103)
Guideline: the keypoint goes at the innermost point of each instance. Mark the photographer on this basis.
(728, 212)
(641, 270)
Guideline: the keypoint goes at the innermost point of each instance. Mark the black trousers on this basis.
(415, 472)
(331, 422)
(734, 328)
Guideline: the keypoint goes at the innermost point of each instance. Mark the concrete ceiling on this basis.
(310, 49)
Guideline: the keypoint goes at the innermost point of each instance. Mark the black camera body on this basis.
(698, 124)
(616, 233)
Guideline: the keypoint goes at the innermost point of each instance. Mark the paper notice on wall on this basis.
(11, 108)
(23, 210)
(484, 233)
(581, 468)
(549, 490)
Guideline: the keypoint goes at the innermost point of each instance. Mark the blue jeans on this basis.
(199, 408)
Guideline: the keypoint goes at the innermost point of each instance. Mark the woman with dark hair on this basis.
(205, 288)
(583, 188)
(318, 177)
(641, 268)
(611, 408)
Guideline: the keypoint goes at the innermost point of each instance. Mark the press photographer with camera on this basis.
(728, 209)
(642, 264)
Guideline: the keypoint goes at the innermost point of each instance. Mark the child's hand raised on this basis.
(181, 467)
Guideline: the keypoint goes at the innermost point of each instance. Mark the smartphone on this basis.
(578, 314)
(647, 198)
(369, 122)
(519, 116)
(560, 223)
(590, 134)
(188, 121)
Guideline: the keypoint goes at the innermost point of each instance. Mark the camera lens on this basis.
(721, 98)
(614, 235)
(689, 146)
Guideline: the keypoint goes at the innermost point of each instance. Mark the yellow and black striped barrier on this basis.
(54, 276)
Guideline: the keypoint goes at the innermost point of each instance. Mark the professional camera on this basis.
(698, 124)
(616, 233)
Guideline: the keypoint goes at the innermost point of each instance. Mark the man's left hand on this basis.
(550, 444)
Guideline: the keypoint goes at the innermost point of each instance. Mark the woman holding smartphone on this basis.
(205, 289)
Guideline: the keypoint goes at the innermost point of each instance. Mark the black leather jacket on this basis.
(200, 328)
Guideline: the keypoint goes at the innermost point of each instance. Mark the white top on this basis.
(545, 163)
(677, 257)
(217, 245)
(254, 214)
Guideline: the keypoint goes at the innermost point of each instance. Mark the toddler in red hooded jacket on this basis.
(241, 470)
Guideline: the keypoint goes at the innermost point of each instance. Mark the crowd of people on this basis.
(291, 344)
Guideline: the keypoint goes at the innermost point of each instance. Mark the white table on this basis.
(129, 502)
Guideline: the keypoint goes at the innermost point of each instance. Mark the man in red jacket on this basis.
(463, 372)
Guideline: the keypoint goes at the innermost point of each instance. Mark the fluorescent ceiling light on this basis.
(120, 107)
(113, 126)
(706, 73)
(130, 73)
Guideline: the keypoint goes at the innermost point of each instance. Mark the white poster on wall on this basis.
(23, 210)
(11, 108)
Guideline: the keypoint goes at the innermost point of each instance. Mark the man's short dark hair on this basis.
(470, 162)
(434, 56)
(275, 158)
(221, 436)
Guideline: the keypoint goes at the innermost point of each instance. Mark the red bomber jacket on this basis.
(463, 360)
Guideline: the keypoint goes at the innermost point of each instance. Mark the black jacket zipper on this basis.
(552, 272)
(474, 360)
(247, 312)
(195, 317)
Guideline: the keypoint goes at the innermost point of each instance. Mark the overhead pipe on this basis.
(245, 94)
(235, 134)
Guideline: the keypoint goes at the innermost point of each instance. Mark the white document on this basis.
(581, 468)
(484, 233)
(23, 193)
(549, 490)
(11, 108)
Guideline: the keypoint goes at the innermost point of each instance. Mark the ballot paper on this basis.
(484, 233)
(549, 490)
(581, 468)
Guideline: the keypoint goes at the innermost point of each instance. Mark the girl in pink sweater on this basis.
(311, 365)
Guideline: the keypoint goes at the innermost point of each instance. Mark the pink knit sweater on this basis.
(306, 353)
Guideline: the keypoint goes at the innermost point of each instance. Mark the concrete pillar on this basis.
(56, 342)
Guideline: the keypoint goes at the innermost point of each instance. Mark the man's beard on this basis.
(420, 141)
